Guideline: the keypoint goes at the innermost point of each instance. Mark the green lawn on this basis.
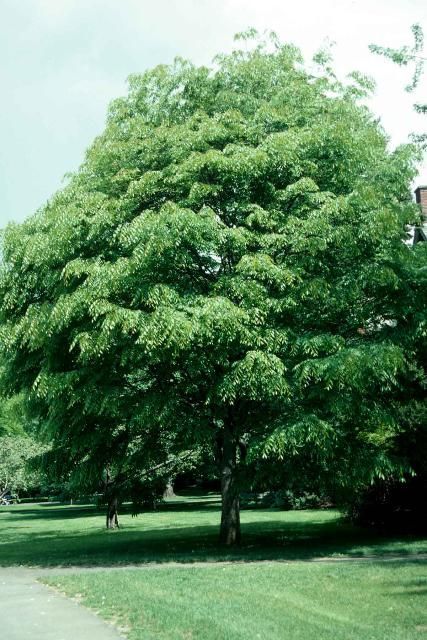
(183, 530)
(285, 597)
(272, 601)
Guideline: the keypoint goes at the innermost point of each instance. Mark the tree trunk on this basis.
(112, 516)
(110, 493)
(169, 492)
(230, 513)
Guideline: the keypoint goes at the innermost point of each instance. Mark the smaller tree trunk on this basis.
(112, 514)
(112, 519)
(169, 492)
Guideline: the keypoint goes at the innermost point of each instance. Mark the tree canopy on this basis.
(226, 268)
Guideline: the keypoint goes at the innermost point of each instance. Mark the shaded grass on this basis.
(273, 601)
(184, 530)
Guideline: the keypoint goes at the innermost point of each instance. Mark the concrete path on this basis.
(31, 610)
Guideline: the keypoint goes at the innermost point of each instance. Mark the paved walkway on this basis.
(31, 610)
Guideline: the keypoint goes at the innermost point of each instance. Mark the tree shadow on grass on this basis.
(406, 586)
(149, 541)
(58, 511)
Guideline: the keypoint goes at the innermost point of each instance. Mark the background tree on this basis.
(19, 450)
(222, 270)
(17, 473)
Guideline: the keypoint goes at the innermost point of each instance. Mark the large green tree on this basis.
(224, 269)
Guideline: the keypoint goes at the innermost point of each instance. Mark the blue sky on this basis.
(62, 61)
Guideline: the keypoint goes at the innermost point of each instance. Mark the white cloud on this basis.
(56, 10)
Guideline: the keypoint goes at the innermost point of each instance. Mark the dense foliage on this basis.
(226, 269)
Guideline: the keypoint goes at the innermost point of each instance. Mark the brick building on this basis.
(420, 233)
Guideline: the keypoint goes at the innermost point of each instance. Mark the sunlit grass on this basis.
(271, 601)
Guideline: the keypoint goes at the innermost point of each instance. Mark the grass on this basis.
(271, 601)
(183, 530)
(274, 593)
